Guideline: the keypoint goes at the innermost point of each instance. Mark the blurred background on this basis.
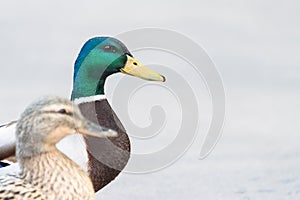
(255, 46)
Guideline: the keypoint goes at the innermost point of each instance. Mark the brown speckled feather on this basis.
(13, 187)
(105, 149)
(47, 176)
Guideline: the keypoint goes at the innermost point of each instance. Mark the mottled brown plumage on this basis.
(50, 175)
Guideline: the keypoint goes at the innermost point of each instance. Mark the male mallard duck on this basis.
(47, 173)
(99, 58)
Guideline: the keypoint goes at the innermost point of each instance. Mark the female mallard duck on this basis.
(99, 58)
(45, 172)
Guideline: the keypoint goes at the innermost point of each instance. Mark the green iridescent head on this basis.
(101, 57)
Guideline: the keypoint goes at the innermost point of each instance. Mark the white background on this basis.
(255, 45)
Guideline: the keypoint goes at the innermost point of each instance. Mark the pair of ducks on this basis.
(47, 121)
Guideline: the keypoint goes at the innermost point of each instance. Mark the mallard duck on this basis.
(99, 58)
(45, 172)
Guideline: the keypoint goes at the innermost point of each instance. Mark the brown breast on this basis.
(107, 157)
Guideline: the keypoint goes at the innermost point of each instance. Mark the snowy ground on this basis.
(256, 158)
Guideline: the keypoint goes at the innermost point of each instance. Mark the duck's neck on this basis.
(89, 79)
(88, 93)
(86, 88)
(56, 175)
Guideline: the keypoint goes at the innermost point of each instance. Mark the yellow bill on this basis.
(134, 68)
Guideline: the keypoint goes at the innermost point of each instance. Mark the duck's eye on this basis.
(62, 111)
(109, 48)
(65, 112)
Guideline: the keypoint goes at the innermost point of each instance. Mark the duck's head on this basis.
(48, 120)
(101, 57)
